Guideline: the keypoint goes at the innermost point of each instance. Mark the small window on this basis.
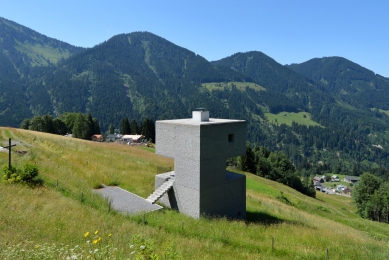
(231, 138)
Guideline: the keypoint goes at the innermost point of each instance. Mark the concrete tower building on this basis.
(200, 183)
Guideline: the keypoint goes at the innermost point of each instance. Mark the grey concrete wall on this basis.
(200, 150)
(189, 139)
(188, 200)
(214, 140)
(177, 139)
(226, 200)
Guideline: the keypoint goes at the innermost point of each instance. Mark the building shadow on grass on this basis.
(267, 219)
(262, 218)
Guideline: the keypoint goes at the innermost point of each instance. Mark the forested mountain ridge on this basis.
(24, 53)
(137, 75)
(267, 72)
(25, 48)
(311, 95)
(347, 81)
(348, 129)
(140, 75)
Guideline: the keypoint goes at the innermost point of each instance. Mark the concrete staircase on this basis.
(158, 193)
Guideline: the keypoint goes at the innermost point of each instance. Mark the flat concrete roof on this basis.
(190, 121)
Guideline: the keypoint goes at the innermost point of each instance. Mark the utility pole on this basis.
(9, 153)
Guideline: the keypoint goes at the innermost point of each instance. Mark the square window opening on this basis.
(231, 138)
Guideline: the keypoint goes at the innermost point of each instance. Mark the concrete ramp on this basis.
(126, 202)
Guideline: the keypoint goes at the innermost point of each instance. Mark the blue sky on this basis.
(288, 31)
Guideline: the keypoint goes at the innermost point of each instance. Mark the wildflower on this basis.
(142, 247)
(109, 235)
(96, 232)
(86, 234)
(95, 241)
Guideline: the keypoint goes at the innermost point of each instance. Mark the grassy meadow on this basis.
(302, 118)
(55, 219)
(211, 86)
(38, 53)
(384, 111)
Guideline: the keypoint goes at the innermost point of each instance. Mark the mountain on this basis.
(137, 75)
(348, 130)
(23, 48)
(267, 72)
(143, 75)
(347, 81)
(312, 95)
(23, 54)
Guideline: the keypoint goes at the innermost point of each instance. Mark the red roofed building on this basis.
(97, 138)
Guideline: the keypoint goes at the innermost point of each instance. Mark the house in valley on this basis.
(127, 139)
(351, 179)
(334, 178)
(347, 191)
(97, 138)
(113, 137)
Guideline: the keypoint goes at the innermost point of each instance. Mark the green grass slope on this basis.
(211, 86)
(33, 219)
(302, 118)
(40, 54)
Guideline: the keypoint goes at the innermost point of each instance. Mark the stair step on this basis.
(158, 193)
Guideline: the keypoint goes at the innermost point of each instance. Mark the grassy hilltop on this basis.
(58, 216)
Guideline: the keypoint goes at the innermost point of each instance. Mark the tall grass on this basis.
(302, 229)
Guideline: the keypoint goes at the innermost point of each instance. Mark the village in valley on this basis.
(335, 184)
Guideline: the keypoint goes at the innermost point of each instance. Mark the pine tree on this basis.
(111, 129)
(148, 129)
(134, 127)
(80, 127)
(125, 127)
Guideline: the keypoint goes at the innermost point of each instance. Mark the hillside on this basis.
(24, 54)
(142, 75)
(346, 125)
(53, 219)
(348, 81)
(137, 75)
(25, 48)
(267, 72)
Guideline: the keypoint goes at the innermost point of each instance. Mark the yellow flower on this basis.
(110, 235)
(96, 232)
(94, 241)
(86, 234)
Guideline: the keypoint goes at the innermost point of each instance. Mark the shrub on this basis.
(10, 175)
(28, 175)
